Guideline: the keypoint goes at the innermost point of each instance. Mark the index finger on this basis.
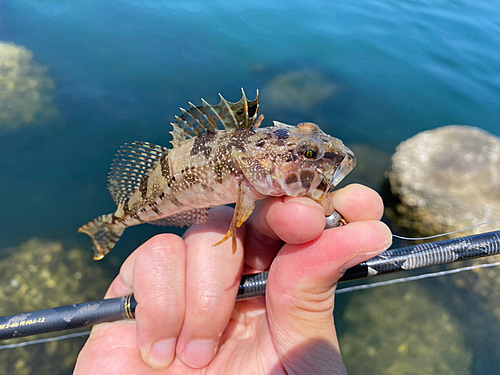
(277, 220)
(300, 220)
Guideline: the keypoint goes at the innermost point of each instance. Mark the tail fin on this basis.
(104, 234)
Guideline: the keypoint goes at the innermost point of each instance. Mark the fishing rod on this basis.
(123, 308)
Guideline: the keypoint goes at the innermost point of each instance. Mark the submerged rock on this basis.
(25, 89)
(40, 275)
(474, 298)
(400, 329)
(370, 167)
(447, 179)
(302, 89)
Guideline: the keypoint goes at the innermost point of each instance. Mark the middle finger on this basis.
(212, 280)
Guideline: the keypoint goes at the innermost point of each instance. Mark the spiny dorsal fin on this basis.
(132, 164)
(196, 216)
(209, 118)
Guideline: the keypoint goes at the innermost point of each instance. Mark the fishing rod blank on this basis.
(109, 310)
(426, 255)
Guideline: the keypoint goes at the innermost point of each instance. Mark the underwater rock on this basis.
(300, 90)
(370, 167)
(40, 275)
(447, 179)
(25, 89)
(400, 329)
(474, 298)
(483, 282)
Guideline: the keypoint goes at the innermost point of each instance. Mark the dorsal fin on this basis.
(209, 118)
(132, 164)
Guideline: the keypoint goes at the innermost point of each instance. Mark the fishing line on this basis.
(43, 341)
(442, 234)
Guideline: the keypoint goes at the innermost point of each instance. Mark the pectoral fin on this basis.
(244, 208)
(258, 172)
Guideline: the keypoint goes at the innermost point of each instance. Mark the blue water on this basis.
(122, 69)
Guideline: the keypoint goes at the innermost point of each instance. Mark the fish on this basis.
(220, 155)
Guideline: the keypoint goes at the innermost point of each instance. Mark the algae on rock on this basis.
(39, 275)
(447, 179)
(400, 329)
(25, 89)
(301, 89)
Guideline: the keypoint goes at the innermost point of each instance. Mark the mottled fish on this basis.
(219, 156)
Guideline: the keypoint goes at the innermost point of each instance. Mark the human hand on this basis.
(187, 320)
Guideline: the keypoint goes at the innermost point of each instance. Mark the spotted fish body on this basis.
(219, 156)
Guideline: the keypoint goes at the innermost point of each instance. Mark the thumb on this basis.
(301, 292)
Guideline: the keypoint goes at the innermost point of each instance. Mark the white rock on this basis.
(448, 179)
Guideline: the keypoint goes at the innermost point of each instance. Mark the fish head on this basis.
(318, 162)
(300, 160)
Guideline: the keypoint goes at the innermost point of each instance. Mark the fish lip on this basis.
(334, 175)
(343, 169)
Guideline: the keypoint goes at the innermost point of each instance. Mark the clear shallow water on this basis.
(389, 69)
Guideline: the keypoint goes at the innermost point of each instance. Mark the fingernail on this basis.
(162, 353)
(199, 353)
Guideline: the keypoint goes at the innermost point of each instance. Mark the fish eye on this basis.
(309, 149)
(310, 154)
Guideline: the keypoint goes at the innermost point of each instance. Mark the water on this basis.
(382, 72)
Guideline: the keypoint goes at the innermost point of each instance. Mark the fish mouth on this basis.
(343, 169)
(333, 177)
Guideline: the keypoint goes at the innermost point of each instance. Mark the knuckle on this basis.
(165, 300)
(166, 241)
(210, 302)
(162, 246)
